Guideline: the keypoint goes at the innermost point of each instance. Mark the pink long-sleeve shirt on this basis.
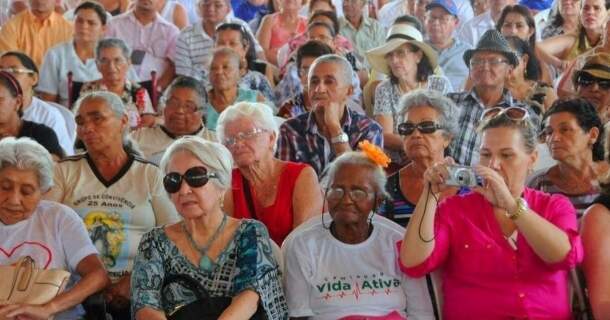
(483, 277)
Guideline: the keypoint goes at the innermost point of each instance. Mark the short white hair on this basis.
(357, 158)
(346, 73)
(259, 113)
(27, 154)
(214, 156)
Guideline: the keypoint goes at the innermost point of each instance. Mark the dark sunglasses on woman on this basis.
(586, 80)
(425, 127)
(195, 177)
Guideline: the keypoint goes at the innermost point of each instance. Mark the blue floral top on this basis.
(246, 263)
(212, 115)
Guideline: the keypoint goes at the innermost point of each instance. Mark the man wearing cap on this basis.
(441, 20)
(330, 128)
(364, 33)
(490, 63)
(592, 83)
(471, 30)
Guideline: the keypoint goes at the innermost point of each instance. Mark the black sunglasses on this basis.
(585, 81)
(195, 177)
(425, 127)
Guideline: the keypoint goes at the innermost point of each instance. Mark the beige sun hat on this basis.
(398, 35)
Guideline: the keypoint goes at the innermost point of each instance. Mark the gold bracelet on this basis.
(522, 208)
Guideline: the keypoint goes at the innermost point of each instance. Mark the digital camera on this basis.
(462, 176)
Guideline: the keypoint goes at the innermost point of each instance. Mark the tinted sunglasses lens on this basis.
(490, 113)
(405, 129)
(604, 85)
(172, 182)
(196, 177)
(427, 127)
(516, 113)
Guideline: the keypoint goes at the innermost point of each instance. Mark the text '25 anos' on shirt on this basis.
(326, 279)
(300, 141)
(483, 277)
(116, 212)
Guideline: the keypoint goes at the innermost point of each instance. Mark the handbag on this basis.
(205, 307)
(25, 283)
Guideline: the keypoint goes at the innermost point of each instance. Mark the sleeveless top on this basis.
(603, 199)
(211, 118)
(576, 50)
(278, 217)
(280, 36)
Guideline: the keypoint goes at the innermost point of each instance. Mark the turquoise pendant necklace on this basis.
(205, 263)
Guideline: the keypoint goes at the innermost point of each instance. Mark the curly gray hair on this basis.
(445, 107)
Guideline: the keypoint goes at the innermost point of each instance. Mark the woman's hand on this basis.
(436, 175)
(494, 189)
(118, 294)
(26, 312)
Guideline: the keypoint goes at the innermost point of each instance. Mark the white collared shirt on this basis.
(157, 39)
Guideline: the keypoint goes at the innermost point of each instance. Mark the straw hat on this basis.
(398, 35)
(596, 65)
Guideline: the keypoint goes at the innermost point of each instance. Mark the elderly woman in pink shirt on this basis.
(504, 251)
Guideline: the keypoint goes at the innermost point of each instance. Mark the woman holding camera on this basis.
(504, 250)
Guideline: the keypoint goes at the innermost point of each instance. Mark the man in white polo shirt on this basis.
(151, 38)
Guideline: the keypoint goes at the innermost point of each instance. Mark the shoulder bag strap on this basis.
(187, 282)
(248, 196)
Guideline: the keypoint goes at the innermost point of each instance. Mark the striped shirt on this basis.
(301, 141)
(194, 49)
(540, 180)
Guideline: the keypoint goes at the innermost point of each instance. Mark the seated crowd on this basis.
(321, 159)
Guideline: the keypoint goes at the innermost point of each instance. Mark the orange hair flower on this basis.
(374, 153)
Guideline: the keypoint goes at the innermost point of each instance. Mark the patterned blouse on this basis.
(551, 30)
(246, 263)
(541, 181)
(129, 98)
(387, 95)
(257, 81)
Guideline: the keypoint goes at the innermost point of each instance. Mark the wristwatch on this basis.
(341, 138)
(522, 208)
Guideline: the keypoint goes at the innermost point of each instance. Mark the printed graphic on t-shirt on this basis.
(357, 287)
(107, 229)
(38, 251)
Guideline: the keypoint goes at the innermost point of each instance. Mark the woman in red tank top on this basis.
(278, 193)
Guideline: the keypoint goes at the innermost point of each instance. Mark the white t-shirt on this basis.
(328, 279)
(154, 141)
(118, 212)
(54, 236)
(43, 113)
(57, 62)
